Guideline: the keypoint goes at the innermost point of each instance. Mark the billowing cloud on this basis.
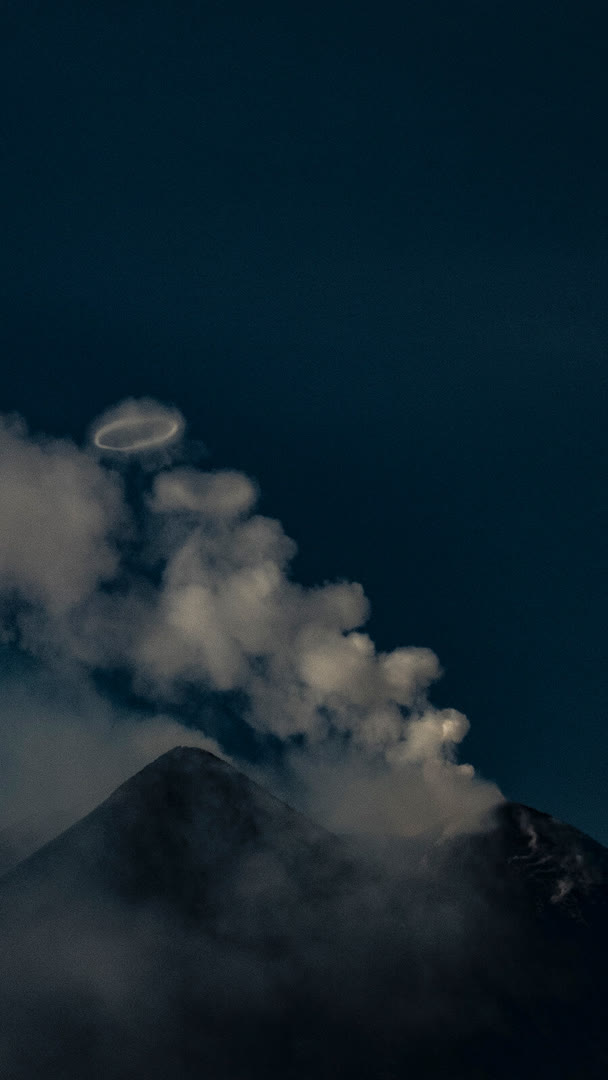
(59, 511)
(226, 616)
(224, 495)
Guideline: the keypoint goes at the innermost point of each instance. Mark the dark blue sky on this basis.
(364, 248)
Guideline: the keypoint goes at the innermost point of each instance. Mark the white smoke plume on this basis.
(58, 514)
(362, 738)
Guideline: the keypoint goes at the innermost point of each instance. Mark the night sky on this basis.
(364, 249)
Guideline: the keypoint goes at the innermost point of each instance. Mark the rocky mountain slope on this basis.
(193, 925)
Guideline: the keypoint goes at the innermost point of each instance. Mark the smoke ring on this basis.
(131, 434)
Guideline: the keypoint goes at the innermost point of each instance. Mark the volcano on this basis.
(195, 926)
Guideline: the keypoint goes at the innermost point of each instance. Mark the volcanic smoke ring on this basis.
(129, 434)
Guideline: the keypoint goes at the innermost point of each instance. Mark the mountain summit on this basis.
(195, 925)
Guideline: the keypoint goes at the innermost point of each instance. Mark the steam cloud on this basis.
(362, 740)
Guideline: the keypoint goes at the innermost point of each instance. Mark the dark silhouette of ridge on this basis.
(168, 830)
(194, 925)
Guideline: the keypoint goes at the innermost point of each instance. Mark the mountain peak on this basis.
(228, 912)
(187, 757)
(180, 823)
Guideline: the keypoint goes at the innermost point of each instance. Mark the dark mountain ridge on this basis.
(195, 925)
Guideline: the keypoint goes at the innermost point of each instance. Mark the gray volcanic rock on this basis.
(193, 925)
(172, 833)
